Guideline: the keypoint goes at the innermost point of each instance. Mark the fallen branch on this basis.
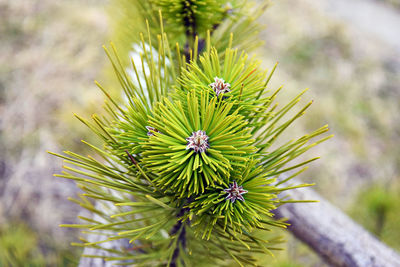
(336, 238)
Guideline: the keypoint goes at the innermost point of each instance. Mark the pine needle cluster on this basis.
(187, 172)
(184, 21)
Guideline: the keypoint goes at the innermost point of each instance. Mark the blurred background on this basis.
(346, 51)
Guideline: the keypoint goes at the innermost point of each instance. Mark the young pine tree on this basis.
(189, 171)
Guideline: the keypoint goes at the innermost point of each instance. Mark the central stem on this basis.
(190, 25)
(181, 238)
(189, 21)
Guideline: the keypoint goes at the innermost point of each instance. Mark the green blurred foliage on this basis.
(18, 246)
(21, 246)
(377, 208)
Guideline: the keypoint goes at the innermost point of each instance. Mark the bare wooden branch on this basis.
(323, 227)
(333, 235)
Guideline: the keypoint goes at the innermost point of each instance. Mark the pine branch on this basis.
(188, 172)
(181, 228)
(181, 242)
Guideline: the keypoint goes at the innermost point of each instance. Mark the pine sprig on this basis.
(182, 170)
(213, 205)
(184, 21)
(244, 80)
(192, 16)
(189, 171)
